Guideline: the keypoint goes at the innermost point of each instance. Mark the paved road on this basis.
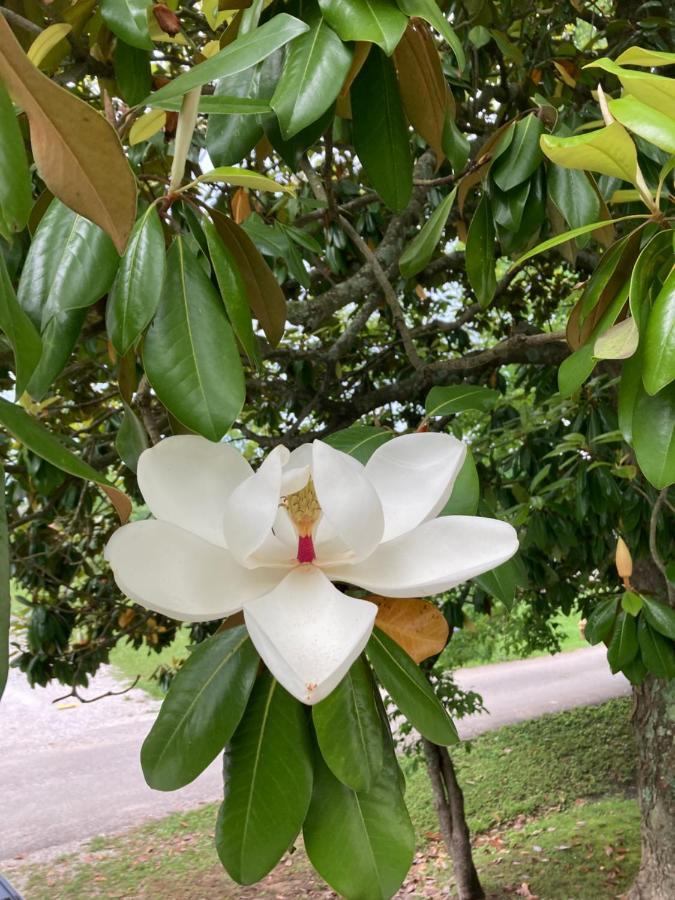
(69, 772)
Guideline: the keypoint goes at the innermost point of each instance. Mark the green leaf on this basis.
(504, 581)
(135, 293)
(70, 265)
(230, 138)
(655, 256)
(654, 435)
(410, 690)
(608, 150)
(639, 56)
(480, 253)
(19, 330)
(659, 616)
(314, 71)
(420, 250)
(376, 21)
(359, 441)
(190, 355)
(128, 19)
(223, 104)
(429, 11)
(523, 156)
(654, 90)
(29, 432)
(618, 342)
(233, 290)
(268, 783)
(241, 54)
(465, 494)
(246, 178)
(631, 603)
(573, 195)
(381, 132)
(601, 621)
(132, 72)
(623, 646)
(568, 236)
(349, 731)
(629, 386)
(5, 596)
(201, 711)
(657, 652)
(16, 192)
(362, 844)
(659, 352)
(441, 401)
(131, 438)
(649, 123)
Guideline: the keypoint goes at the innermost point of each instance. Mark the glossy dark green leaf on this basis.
(268, 783)
(623, 645)
(189, 353)
(58, 342)
(629, 387)
(376, 21)
(601, 620)
(135, 293)
(480, 253)
(316, 66)
(241, 54)
(523, 156)
(429, 11)
(360, 441)
(572, 193)
(456, 145)
(361, 843)
(442, 401)
(19, 330)
(70, 265)
(16, 192)
(349, 731)
(128, 19)
(230, 138)
(132, 438)
(465, 494)
(233, 290)
(657, 651)
(410, 690)
(222, 104)
(636, 671)
(659, 351)
(654, 435)
(649, 272)
(504, 581)
(201, 711)
(420, 250)
(132, 72)
(659, 616)
(508, 206)
(5, 596)
(381, 132)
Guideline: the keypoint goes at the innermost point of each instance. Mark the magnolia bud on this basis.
(167, 19)
(624, 562)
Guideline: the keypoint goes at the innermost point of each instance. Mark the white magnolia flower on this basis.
(272, 542)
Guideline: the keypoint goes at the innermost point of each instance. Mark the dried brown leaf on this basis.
(416, 625)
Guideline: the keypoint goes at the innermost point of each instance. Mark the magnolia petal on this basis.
(435, 557)
(347, 499)
(294, 479)
(187, 479)
(174, 572)
(413, 475)
(308, 633)
(252, 507)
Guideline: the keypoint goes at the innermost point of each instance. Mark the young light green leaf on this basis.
(480, 253)
(241, 54)
(608, 150)
(567, 236)
(649, 123)
(201, 711)
(442, 401)
(420, 250)
(523, 156)
(631, 603)
(16, 192)
(268, 783)
(19, 330)
(135, 293)
(376, 21)
(654, 90)
(246, 178)
(639, 56)
(348, 729)
(618, 342)
(410, 690)
(659, 354)
(190, 355)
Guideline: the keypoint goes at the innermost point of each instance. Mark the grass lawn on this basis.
(129, 662)
(549, 802)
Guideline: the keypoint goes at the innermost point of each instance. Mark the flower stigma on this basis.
(304, 511)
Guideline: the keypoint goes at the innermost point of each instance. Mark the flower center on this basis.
(304, 511)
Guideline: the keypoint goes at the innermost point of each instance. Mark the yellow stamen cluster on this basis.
(303, 508)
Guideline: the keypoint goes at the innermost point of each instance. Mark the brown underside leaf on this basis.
(416, 625)
(264, 295)
(482, 162)
(422, 84)
(77, 152)
(361, 51)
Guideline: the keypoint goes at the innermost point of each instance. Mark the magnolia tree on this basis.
(267, 272)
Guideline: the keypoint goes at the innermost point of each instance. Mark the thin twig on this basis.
(77, 696)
